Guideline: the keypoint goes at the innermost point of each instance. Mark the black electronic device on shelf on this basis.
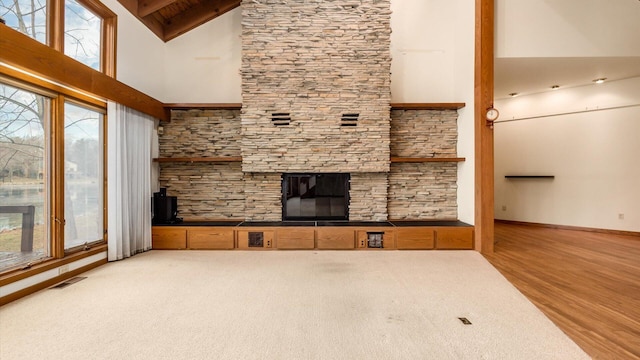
(165, 208)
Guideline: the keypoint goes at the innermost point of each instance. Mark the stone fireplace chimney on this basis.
(315, 96)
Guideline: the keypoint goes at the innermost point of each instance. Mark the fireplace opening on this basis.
(315, 196)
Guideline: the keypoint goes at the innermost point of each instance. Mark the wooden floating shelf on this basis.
(208, 106)
(424, 160)
(427, 106)
(201, 159)
(239, 159)
(529, 176)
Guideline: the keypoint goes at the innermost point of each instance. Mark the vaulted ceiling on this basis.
(171, 18)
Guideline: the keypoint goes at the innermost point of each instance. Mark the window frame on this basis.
(55, 31)
(58, 95)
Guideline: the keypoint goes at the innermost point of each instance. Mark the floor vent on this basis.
(464, 320)
(71, 281)
(280, 119)
(349, 119)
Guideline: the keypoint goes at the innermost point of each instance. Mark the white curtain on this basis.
(132, 143)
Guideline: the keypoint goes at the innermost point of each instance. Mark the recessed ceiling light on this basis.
(599, 81)
(555, 87)
(513, 94)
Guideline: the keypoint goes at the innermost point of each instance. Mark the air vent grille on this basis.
(68, 282)
(280, 119)
(349, 119)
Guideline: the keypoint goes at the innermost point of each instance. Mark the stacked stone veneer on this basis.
(201, 133)
(423, 190)
(315, 60)
(205, 190)
(223, 191)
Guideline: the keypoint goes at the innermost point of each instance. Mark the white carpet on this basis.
(284, 305)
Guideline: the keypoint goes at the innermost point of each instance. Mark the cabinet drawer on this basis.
(336, 238)
(168, 238)
(415, 238)
(295, 238)
(210, 238)
(454, 238)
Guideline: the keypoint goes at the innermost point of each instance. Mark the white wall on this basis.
(140, 54)
(567, 28)
(588, 138)
(203, 65)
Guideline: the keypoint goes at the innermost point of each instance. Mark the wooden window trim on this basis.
(108, 36)
(58, 95)
(55, 31)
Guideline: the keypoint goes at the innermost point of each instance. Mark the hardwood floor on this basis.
(587, 283)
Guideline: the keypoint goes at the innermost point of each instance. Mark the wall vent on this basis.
(280, 119)
(349, 119)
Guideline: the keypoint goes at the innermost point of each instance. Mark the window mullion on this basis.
(56, 24)
(57, 178)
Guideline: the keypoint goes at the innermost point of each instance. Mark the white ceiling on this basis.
(534, 75)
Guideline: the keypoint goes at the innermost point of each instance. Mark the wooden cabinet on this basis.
(454, 238)
(335, 238)
(313, 237)
(365, 238)
(296, 238)
(210, 238)
(168, 237)
(415, 238)
(255, 239)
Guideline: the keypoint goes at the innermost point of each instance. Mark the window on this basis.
(83, 174)
(52, 179)
(24, 205)
(27, 16)
(81, 29)
(82, 34)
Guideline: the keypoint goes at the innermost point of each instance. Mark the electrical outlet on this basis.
(621, 216)
(504, 207)
(63, 269)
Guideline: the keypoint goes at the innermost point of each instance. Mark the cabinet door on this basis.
(210, 238)
(168, 237)
(454, 238)
(415, 238)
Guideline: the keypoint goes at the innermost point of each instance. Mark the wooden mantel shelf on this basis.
(238, 106)
(424, 160)
(200, 159)
(239, 159)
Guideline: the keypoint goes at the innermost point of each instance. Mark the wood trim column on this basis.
(484, 165)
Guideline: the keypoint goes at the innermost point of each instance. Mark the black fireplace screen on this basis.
(315, 197)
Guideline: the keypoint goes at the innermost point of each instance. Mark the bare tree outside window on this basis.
(82, 32)
(23, 176)
(27, 16)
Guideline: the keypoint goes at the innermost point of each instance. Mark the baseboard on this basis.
(568, 227)
(50, 282)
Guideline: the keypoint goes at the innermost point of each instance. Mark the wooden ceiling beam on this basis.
(147, 7)
(197, 15)
(149, 21)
